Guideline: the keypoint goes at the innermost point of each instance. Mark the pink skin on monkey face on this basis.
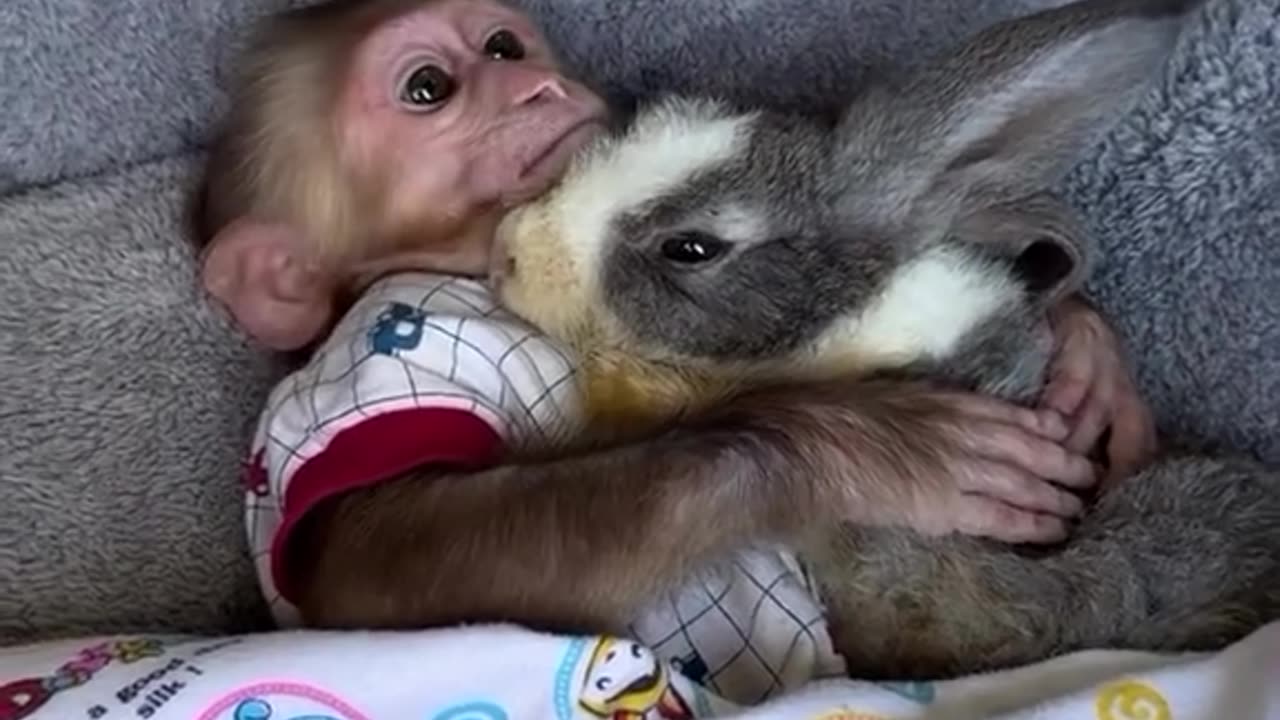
(463, 103)
(457, 108)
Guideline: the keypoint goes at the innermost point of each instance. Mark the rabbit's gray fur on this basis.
(821, 216)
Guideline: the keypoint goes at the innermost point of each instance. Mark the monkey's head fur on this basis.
(278, 156)
(285, 152)
(702, 248)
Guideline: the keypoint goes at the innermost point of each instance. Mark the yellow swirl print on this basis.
(1131, 700)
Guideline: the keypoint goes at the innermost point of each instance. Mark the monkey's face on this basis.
(376, 136)
(459, 106)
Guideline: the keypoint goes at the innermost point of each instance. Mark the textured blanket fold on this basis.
(125, 402)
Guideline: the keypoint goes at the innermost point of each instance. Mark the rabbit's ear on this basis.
(1047, 251)
(1010, 110)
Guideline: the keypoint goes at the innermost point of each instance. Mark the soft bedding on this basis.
(507, 673)
(126, 402)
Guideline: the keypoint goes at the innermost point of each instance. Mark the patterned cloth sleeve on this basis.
(423, 369)
(428, 369)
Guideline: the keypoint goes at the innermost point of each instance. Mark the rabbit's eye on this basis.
(693, 247)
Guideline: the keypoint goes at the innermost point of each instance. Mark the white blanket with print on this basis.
(507, 673)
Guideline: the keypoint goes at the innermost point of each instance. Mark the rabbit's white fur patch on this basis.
(661, 152)
(925, 310)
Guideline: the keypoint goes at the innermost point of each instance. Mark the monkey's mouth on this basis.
(546, 167)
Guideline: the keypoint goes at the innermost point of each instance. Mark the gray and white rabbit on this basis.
(702, 249)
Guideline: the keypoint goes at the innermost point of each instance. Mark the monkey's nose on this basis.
(543, 89)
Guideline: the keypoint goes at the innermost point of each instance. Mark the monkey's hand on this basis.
(1092, 385)
(938, 461)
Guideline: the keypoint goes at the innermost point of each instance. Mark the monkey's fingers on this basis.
(1022, 490)
(1042, 458)
(1092, 419)
(1046, 423)
(1133, 441)
(1067, 389)
(987, 517)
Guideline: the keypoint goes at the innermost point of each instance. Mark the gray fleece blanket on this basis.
(125, 401)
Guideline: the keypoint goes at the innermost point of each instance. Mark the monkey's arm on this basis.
(569, 545)
(580, 543)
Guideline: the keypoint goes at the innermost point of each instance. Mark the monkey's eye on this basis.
(427, 86)
(504, 45)
(689, 248)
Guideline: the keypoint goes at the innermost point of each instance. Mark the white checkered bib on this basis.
(427, 368)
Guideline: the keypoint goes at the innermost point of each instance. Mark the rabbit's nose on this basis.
(500, 261)
(502, 266)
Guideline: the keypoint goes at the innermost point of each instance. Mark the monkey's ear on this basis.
(261, 273)
(1011, 110)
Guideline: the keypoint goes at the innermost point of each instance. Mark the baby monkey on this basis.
(396, 479)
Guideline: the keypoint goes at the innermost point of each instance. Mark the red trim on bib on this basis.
(376, 450)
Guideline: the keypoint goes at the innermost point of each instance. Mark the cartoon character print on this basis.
(280, 701)
(626, 681)
(21, 698)
(398, 328)
(693, 667)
